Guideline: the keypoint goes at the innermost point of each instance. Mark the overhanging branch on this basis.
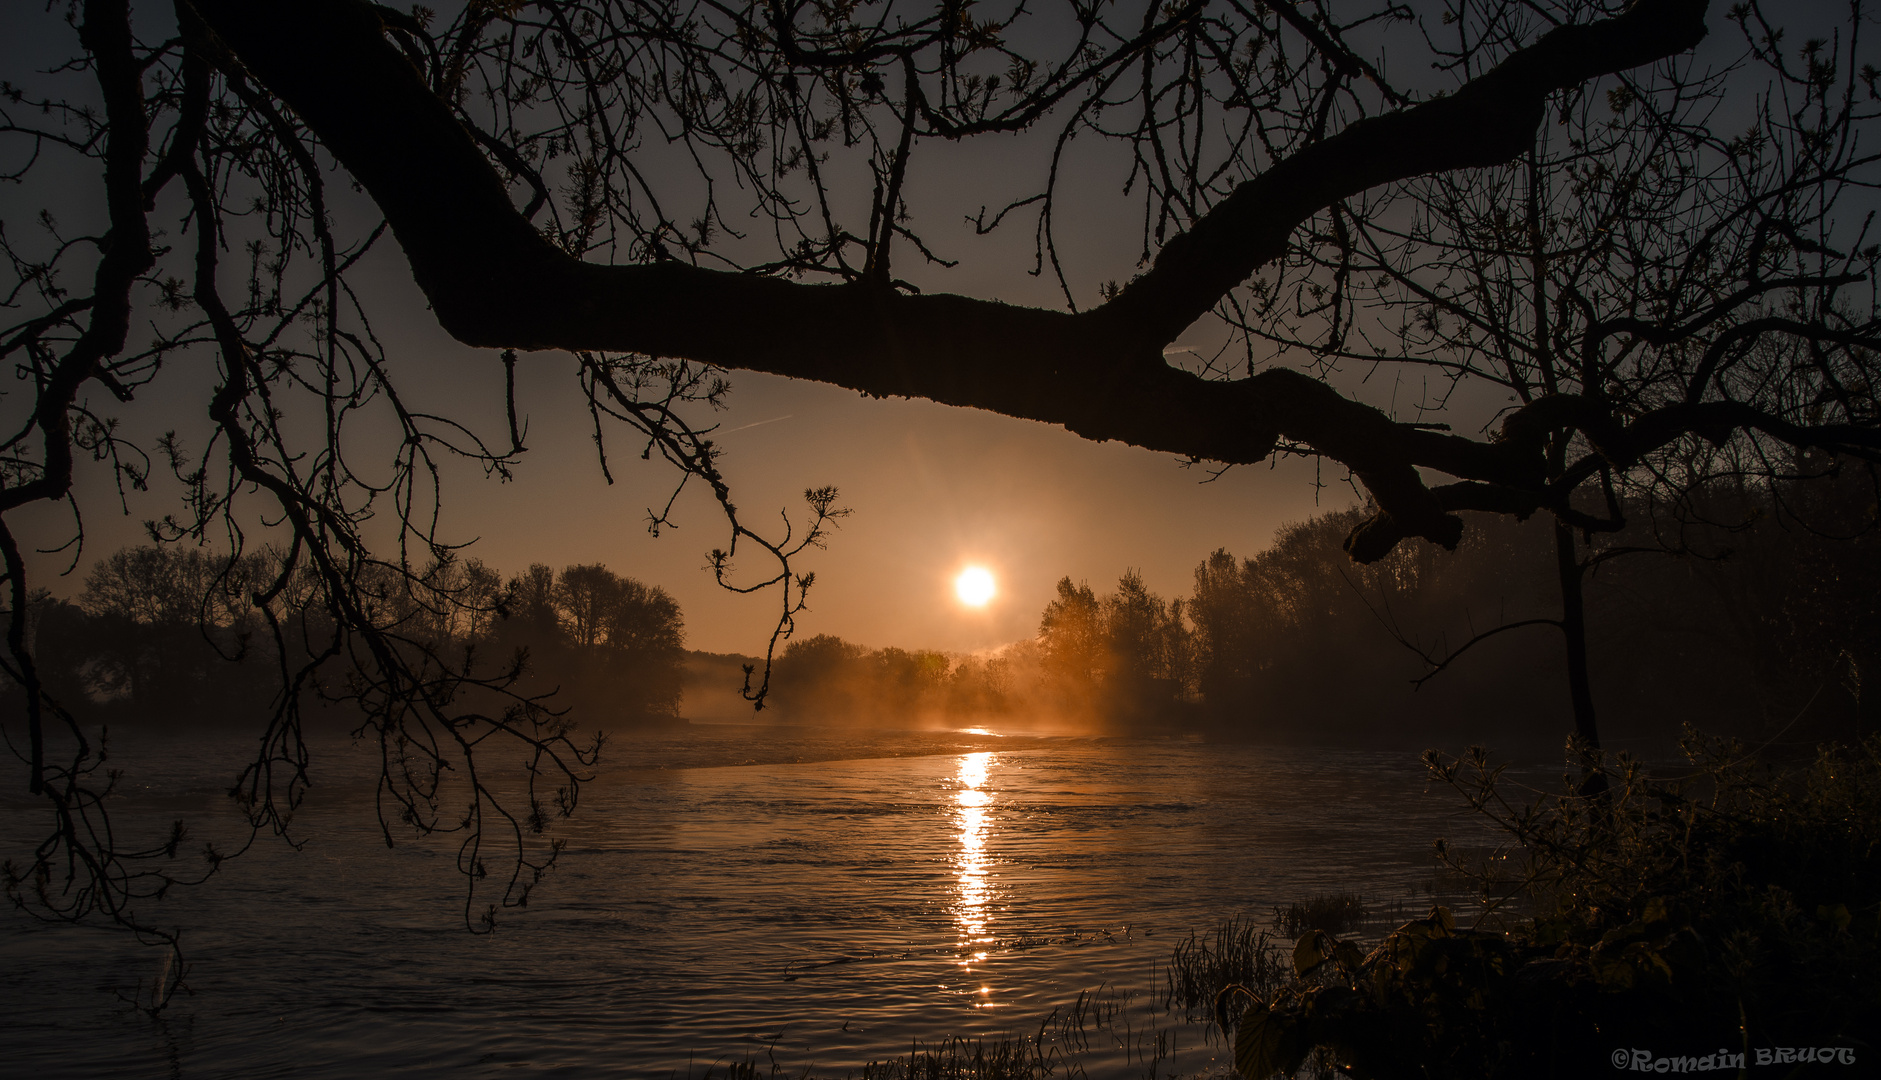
(495, 281)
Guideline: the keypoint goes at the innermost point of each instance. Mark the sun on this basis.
(975, 586)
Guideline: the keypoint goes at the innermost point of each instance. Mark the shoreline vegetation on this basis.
(163, 636)
(1762, 626)
(1760, 623)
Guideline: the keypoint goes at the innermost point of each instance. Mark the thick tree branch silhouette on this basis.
(1650, 241)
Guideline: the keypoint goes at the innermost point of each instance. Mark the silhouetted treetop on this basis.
(1596, 251)
(765, 87)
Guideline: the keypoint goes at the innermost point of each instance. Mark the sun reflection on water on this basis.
(974, 890)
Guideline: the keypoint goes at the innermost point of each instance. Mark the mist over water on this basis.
(821, 913)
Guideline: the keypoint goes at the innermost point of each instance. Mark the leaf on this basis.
(1615, 975)
(1225, 995)
(1439, 923)
(1266, 1042)
(1350, 957)
(1836, 916)
(1441, 917)
(1308, 953)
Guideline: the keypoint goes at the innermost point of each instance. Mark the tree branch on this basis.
(495, 281)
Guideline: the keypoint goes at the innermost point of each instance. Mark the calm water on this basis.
(819, 913)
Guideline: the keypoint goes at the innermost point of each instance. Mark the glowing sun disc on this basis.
(975, 586)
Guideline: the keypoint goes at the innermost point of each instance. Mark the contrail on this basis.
(760, 423)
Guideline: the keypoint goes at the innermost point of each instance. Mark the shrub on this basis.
(1733, 908)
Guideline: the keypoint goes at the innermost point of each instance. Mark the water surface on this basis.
(819, 913)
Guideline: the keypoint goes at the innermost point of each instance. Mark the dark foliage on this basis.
(1733, 908)
(163, 636)
(1755, 608)
(610, 648)
(1747, 607)
(824, 679)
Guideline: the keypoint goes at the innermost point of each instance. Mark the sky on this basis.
(931, 488)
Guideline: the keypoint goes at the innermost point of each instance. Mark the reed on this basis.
(1338, 913)
(1239, 953)
(1050, 1051)
(1018, 1058)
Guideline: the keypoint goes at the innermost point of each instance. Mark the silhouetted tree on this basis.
(1227, 620)
(607, 647)
(533, 611)
(61, 638)
(1755, 609)
(821, 677)
(1829, 601)
(981, 686)
(169, 633)
(633, 668)
(583, 597)
(1124, 655)
(1072, 639)
(826, 680)
(1659, 297)
(1287, 181)
(910, 676)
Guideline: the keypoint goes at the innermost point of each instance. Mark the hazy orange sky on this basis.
(931, 487)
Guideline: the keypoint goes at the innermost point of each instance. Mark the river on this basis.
(720, 902)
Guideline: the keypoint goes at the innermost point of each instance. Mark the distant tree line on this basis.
(831, 680)
(1744, 608)
(1748, 608)
(170, 634)
(613, 647)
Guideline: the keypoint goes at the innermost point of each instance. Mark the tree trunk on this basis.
(1586, 741)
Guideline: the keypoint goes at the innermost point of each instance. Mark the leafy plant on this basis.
(1735, 906)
